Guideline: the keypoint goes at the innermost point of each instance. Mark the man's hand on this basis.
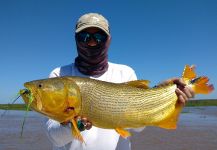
(183, 92)
(82, 122)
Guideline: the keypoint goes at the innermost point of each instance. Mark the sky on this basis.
(156, 38)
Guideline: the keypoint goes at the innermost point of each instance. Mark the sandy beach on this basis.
(197, 130)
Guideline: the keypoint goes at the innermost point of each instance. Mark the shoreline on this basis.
(192, 103)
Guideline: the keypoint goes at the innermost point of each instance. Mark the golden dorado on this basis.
(110, 105)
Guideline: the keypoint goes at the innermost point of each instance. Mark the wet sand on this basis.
(197, 130)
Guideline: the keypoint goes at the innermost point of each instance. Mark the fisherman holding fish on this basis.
(92, 35)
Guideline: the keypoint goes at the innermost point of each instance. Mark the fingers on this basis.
(87, 124)
(83, 123)
(188, 91)
(182, 98)
(179, 82)
(184, 94)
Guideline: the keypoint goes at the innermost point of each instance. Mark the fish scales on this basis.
(110, 104)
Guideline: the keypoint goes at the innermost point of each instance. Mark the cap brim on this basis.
(88, 26)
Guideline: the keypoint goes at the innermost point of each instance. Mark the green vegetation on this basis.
(208, 102)
(193, 103)
(13, 106)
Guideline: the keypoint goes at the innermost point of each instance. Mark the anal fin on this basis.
(123, 133)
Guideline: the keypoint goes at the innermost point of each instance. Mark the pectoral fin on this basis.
(39, 104)
(122, 132)
(139, 83)
(75, 131)
(171, 121)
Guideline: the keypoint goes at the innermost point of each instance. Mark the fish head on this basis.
(57, 98)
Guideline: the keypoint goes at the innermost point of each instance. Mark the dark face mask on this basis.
(92, 60)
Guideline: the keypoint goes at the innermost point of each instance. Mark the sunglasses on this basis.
(85, 37)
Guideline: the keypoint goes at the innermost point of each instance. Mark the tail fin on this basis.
(199, 84)
(189, 72)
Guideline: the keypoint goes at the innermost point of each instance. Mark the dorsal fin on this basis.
(139, 83)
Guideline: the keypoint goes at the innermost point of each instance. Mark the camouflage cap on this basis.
(92, 20)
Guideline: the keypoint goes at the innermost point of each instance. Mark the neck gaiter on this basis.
(92, 60)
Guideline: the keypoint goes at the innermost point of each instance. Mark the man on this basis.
(93, 38)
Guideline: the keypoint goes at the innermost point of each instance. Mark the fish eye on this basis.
(40, 85)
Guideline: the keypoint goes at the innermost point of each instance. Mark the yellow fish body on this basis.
(110, 105)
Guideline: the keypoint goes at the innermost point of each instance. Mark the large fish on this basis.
(110, 105)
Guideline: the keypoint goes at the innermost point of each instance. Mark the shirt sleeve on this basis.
(126, 73)
(58, 134)
(132, 76)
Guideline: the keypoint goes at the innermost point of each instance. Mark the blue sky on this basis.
(156, 38)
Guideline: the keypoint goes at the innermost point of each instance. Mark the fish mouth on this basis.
(25, 92)
(29, 99)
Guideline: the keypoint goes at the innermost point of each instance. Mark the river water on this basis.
(197, 130)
